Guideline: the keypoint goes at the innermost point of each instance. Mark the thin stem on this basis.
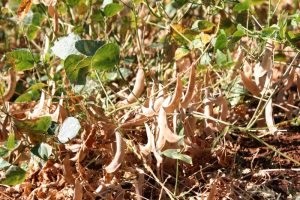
(177, 174)
(113, 105)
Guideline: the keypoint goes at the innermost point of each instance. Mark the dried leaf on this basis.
(68, 170)
(24, 8)
(53, 13)
(138, 121)
(176, 97)
(139, 183)
(78, 191)
(269, 117)
(164, 128)
(247, 80)
(213, 191)
(159, 100)
(146, 150)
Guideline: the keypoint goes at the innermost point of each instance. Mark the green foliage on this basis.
(88, 47)
(22, 58)
(106, 57)
(221, 41)
(42, 151)
(175, 154)
(39, 125)
(239, 7)
(14, 175)
(112, 9)
(181, 52)
(10, 145)
(203, 25)
(31, 95)
(77, 68)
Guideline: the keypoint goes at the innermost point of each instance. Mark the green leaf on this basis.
(77, 68)
(73, 2)
(36, 86)
(112, 9)
(4, 164)
(10, 145)
(270, 31)
(14, 175)
(221, 41)
(32, 32)
(42, 151)
(106, 57)
(227, 25)
(282, 23)
(202, 25)
(293, 38)
(221, 58)
(39, 125)
(28, 96)
(69, 129)
(181, 52)
(22, 58)
(240, 7)
(175, 154)
(3, 152)
(88, 47)
(280, 57)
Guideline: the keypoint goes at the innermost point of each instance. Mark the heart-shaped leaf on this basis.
(106, 57)
(77, 68)
(88, 47)
(112, 9)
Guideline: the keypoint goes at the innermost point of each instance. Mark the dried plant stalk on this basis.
(78, 193)
(119, 155)
(190, 90)
(224, 112)
(208, 108)
(269, 117)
